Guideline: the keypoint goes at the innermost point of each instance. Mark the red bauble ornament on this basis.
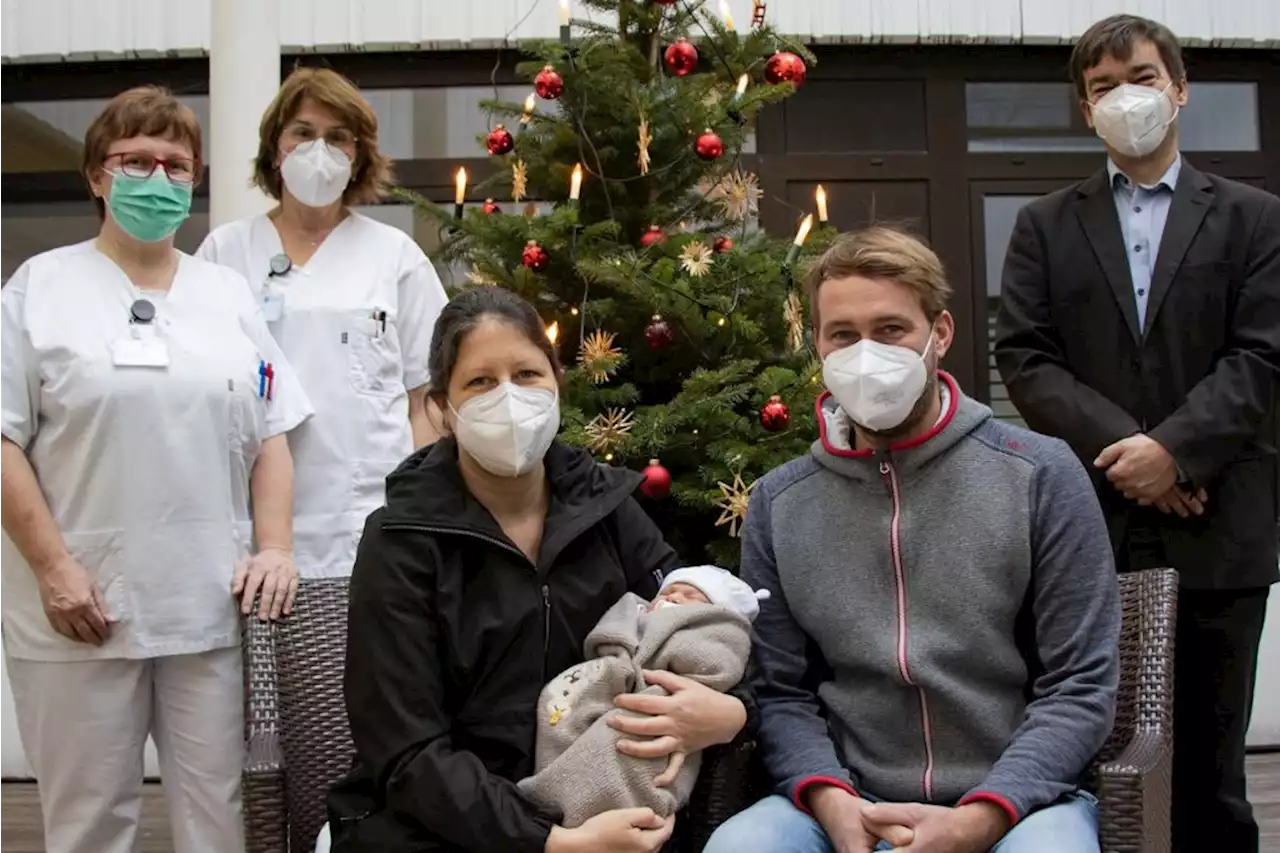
(653, 235)
(657, 480)
(785, 67)
(500, 141)
(548, 84)
(721, 245)
(709, 145)
(491, 207)
(681, 58)
(534, 256)
(658, 333)
(775, 416)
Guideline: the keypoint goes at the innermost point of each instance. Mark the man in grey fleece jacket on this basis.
(937, 662)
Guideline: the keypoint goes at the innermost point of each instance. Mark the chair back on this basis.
(310, 655)
(1144, 702)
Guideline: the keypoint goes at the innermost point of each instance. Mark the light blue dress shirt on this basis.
(1143, 212)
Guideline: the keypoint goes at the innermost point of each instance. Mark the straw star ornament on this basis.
(608, 430)
(734, 503)
(695, 259)
(598, 356)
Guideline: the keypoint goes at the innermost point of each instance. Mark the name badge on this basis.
(272, 305)
(142, 347)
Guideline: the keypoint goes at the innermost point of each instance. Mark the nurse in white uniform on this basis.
(144, 405)
(351, 301)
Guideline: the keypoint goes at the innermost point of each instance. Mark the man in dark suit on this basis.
(1140, 322)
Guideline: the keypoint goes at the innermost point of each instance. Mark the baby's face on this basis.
(681, 593)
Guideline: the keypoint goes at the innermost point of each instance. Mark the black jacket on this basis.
(452, 634)
(1198, 376)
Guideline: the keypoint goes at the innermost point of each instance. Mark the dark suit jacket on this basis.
(1199, 377)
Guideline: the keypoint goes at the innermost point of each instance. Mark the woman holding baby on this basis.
(497, 552)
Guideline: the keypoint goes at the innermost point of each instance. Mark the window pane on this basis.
(1046, 117)
(999, 213)
(48, 136)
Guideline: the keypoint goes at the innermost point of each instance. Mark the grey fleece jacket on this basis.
(944, 618)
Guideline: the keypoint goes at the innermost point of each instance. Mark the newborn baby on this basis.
(697, 626)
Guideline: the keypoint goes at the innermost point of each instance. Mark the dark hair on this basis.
(1116, 36)
(468, 310)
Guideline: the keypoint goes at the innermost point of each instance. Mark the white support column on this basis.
(244, 74)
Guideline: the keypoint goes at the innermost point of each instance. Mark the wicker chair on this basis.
(1133, 773)
(295, 719)
(298, 744)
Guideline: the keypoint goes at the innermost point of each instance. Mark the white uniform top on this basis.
(355, 368)
(145, 469)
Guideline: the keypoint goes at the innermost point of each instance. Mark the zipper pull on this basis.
(546, 618)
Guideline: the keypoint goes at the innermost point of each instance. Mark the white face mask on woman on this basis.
(316, 173)
(877, 384)
(1134, 119)
(508, 430)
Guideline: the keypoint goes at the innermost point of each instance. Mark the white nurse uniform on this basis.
(143, 446)
(356, 324)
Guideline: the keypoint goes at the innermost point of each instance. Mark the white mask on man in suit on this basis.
(1134, 119)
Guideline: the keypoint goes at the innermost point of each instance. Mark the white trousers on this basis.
(84, 726)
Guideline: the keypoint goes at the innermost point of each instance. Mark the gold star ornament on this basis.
(607, 431)
(733, 504)
(598, 356)
(793, 313)
(643, 142)
(519, 180)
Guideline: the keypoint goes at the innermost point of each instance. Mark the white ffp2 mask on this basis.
(1134, 119)
(876, 384)
(507, 430)
(316, 173)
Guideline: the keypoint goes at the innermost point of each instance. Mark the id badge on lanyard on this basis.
(272, 299)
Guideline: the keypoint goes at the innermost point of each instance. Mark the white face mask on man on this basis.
(877, 384)
(507, 430)
(316, 173)
(1134, 119)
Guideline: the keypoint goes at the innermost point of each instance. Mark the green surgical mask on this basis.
(148, 209)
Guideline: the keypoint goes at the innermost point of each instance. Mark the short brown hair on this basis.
(886, 253)
(1116, 36)
(371, 173)
(143, 111)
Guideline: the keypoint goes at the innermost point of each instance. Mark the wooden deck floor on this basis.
(20, 830)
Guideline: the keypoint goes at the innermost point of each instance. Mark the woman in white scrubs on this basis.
(351, 301)
(144, 409)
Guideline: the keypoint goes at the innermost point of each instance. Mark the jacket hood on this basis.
(427, 488)
(961, 416)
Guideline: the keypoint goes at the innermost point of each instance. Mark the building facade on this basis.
(945, 115)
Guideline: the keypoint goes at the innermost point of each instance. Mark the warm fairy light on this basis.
(530, 104)
(574, 310)
(803, 233)
(742, 84)
(553, 332)
(575, 183)
(727, 15)
(608, 457)
(460, 186)
(564, 13)
(721, 321)
(820, 195)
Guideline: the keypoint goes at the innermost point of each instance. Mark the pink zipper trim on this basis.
(900, 580)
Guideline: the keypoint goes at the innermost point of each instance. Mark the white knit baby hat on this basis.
(721, 588)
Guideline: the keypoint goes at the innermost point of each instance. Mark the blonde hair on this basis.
(371, 173)
(141, 111)
(885, 253)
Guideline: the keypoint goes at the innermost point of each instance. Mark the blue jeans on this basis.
(774, 825)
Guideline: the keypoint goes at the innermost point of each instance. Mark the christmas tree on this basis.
(681, 325)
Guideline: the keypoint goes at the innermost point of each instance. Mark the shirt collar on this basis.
(1169, 180)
